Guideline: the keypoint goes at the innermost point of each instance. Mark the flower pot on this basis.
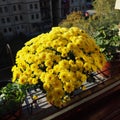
(111, 68)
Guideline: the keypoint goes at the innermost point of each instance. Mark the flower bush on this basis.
(60, 61)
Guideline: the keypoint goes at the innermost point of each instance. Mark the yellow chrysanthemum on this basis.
(68, 87)
(64, 76)
(22, 80)
(34, 81)
(56, 83)
(61, 59)
(46, 86)
(58, 92)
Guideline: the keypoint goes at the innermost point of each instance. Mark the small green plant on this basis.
(108, 39)
(12, 96)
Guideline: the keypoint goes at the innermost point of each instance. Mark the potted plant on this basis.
(108, 39)
(12, 96)
(59, 62)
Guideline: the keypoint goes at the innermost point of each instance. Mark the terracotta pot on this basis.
(111, 68)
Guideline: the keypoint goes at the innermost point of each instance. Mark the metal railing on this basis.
(98, 84)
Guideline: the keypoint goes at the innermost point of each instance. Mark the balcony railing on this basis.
(98, 85)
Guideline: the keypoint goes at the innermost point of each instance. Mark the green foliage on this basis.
(108, 39)
(11, 97)
(105, 15)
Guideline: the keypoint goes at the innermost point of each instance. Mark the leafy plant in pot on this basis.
(108, 39)
(12, 96)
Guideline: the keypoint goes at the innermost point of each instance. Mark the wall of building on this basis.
(31, 16)
(20, 16)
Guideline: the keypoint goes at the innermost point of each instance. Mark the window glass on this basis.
(3, 20)
(5, 30)
(16, 18)
(8, 19)
(14, 7)
(31, 6)
(32, 17)
(1, 10)
(37, 16)
(9, 29)
(6, 9)
(19, 7)
(36, 6)
(21, 17)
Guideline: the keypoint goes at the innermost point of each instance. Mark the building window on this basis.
(3, 20)
(32, 17)
(9, 29)
(37, 16)
(31, 6)
(19, 7)
(72, 1)
(8, 19)
(21, 18)
(17, 27)
(16, 18)
(6, 9)
(14, 8)
(1, 10)
(45, 4)
(76, 9)
(36, 6)
(5, 30)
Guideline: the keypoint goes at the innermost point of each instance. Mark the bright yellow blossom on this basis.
(61, 60)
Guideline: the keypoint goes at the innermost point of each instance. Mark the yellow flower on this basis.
(58, 92)
(64, 64)
(30, 81)
(35, 97)
(83, 78)
(50, 97)
(49, 63)
(49, 77)
(61, 60)
(22, 80)
(70, 46)
(42, 76)
(46, 86)
(56, 83)
(68, 87)
(34, 81)
(42, 55)
(77, 84)
(64, 76)
(87, 66)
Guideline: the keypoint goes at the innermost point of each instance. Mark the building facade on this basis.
(32, 16)
(26, 16)
(61, 8)
(77, 5)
